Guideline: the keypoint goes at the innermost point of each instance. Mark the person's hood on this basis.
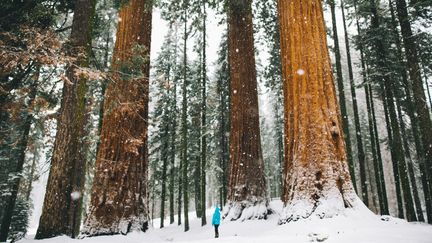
(217, 210)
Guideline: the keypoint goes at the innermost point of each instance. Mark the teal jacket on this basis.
(216, 217)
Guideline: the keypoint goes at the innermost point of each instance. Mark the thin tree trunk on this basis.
(61, 213)
(396, 144)
(412, 178)
(373, 129)
(204, 118)
(247, 185)
(18, 153)
(344, 113)
(119, 201)
(411, 111)
(393, 157)
(315, 157)
(164, 175)
(360, 148)
(413, 64)
(184, 128)
(173, 152)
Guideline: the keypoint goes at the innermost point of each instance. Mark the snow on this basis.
(352, 226)
(75, 195)
(300, 72)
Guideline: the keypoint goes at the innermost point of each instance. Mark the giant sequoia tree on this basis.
(316, 175)
(62, 203)
(119, 194)
(247, 186)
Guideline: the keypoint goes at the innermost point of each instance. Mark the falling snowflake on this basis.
(300, 72)
(75, 195)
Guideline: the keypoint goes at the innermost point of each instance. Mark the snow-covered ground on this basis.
(354, 226)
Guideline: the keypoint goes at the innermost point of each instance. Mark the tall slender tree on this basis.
(344, 112)
(17, 153)
(119, 194)
(204, 114)
(413, 65)
(184, 125)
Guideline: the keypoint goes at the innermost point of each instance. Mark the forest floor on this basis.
(353, 226)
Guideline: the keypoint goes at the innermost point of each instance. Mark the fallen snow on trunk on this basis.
(352, 226)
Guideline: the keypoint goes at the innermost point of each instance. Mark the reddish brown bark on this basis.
(316, 176)
(247, 186)
(62, 204)
(119, 194)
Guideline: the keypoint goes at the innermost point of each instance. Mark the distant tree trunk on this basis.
(119, 196)
(316, 175)
(173, 152)
(413, 64)
(164, 174)
(223, 89)
(204, 118)
(396, 142)
(373, 130)
(409, 164)
(196, 122)
(17, 153)
(414, 123)
(344, 113)
(393, 156)
(184, 128)
(61, 213)
(247, 185)
(360, 148)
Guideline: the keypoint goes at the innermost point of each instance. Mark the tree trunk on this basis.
(344, 113)
(316, 175)
(204, 119)
(119, 194)
(173, 134)
(399, 165)
(373, 129)
(184, 128)
(247, 185)
(17, 153)
(164, 173)
(61, 213)
(414, 71)
(360, 148)
(409, 164)
(411, 111)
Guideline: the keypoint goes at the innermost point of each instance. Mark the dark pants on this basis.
(216, 230)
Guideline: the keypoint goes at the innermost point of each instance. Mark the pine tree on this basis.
(17, 154)
(373, 130)
(223, 98)
(413, 65)
(344, 113)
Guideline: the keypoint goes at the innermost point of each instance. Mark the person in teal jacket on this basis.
(216, 221)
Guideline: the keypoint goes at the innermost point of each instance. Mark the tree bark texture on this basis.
(119, 194)
(316, 174)
(247, 196)
(61, 213)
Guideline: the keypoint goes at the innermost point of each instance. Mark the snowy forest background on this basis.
(385, 139)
